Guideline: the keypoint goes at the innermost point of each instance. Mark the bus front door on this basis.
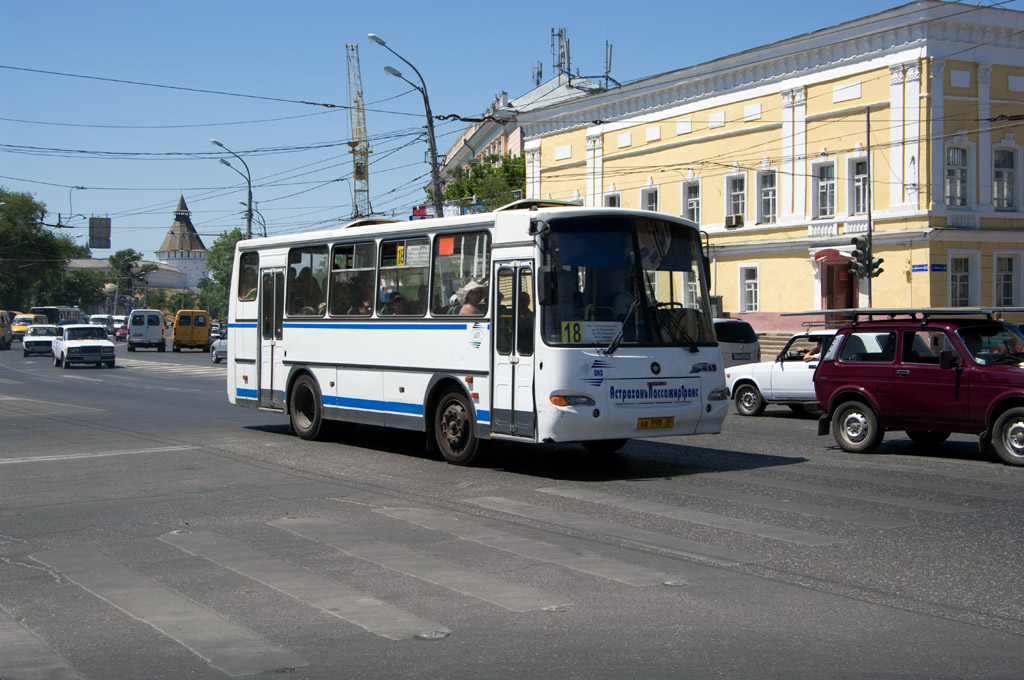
(513, 411)
(271, 326)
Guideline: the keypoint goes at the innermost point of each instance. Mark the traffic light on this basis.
(876, 267)
(861, 262)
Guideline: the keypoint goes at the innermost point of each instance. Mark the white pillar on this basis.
(984, 136)
(786, 198)
(937, 89)
(896, 139)
(595, 167)
(912, 146)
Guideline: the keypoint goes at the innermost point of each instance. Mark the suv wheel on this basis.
(855, 427)
(1008, 436)
(749, 401)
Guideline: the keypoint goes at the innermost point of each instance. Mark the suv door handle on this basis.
(903, 371)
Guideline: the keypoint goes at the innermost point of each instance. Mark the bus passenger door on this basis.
(271, 326)
(513, 411)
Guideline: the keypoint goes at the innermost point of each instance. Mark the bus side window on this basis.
(461, 265)
(352, 269)
(248, 275)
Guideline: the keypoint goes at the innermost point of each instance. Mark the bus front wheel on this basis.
(453, 428)
(306, 408)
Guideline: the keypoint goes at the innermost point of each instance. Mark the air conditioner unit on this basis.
(733, 221)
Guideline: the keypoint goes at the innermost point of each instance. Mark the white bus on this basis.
(535, 323)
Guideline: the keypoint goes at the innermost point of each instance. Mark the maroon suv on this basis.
(928, 372)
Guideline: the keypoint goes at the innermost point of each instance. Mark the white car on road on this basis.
(83, 344)
(789, 379)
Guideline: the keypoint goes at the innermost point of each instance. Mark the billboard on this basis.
(99, 232)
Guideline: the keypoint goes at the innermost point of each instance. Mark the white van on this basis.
(146, 329)
(104, 320)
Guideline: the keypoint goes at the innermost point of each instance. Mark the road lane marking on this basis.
(694, 516)
(675, 544)
(224, 645)
(26, 656)
(100, 454)
(776, 503)
(578, 560)
(335, 599)
(418, 565)
(840, 492)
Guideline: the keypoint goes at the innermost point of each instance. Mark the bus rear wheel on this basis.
(454, 428)
(305, 408)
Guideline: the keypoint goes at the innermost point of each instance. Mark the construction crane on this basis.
(360, 146)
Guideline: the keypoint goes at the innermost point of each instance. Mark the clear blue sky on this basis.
(136, 148)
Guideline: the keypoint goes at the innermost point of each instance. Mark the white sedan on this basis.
(82, 344)
(39, 339)
(789, 379)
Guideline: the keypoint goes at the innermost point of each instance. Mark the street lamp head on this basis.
(377, 39)
(391, 71)
(216, 143)
(224, 162)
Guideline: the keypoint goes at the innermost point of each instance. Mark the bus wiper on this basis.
(617, 340)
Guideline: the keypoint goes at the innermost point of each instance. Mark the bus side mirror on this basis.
(546, 284)
(707, 270)
(947, 359)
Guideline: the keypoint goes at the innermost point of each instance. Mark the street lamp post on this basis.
(260, 219)
(248, 182)
(435, 173)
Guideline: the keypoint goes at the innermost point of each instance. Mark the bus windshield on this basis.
(625, 280)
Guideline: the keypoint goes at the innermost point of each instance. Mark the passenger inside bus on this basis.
(473, 299)
(394, 305)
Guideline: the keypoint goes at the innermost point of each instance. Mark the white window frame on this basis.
(973, 280)
(816, 207)
(686, 184)
(645, 198)
(1014, 195)
(616, 196)
(852, 184)
(729, 179)
(743, 304)
(961, 142)
(1016, 258)
(763, 218)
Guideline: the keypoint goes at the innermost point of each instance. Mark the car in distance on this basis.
(22, 322)
(6, 337)
(191, 329)
(121, 333)
(219, 348)
(738, 342)
(928, 372)
(83, 344)
(39, 339)
(788, 379)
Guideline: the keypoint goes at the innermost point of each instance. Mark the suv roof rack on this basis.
(535, 203)
(858, 313)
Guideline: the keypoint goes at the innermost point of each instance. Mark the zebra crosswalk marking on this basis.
(224, 645)
(418, 565)
(584, 561)
(675, 544)
(333, 598)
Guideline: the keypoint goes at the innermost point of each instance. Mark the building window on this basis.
(736, 188)
(767, 193)
(750, 292)
(860, 187)
(1006, 282)
(1002, 179)
(691, 201)
(956, 177)
(825, 190)
(649, 199)
(613, 200)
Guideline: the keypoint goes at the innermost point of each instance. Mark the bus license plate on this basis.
(654, 423)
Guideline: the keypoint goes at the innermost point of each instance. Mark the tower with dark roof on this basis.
(183, 249)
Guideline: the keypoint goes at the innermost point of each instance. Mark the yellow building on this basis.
(904, 127)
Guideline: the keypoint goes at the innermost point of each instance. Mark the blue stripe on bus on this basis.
(246, 394)
(370, 405)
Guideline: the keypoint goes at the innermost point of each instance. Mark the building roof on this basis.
(182, 236)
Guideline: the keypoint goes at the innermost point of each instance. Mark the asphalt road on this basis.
(148, 529)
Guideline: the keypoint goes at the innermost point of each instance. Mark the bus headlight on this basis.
(719, 394)
(572, 400)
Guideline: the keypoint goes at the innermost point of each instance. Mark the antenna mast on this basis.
(360, 145)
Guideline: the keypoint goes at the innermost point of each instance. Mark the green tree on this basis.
(33, 259)
(220, 259)
(487, 183)
(126, 270)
